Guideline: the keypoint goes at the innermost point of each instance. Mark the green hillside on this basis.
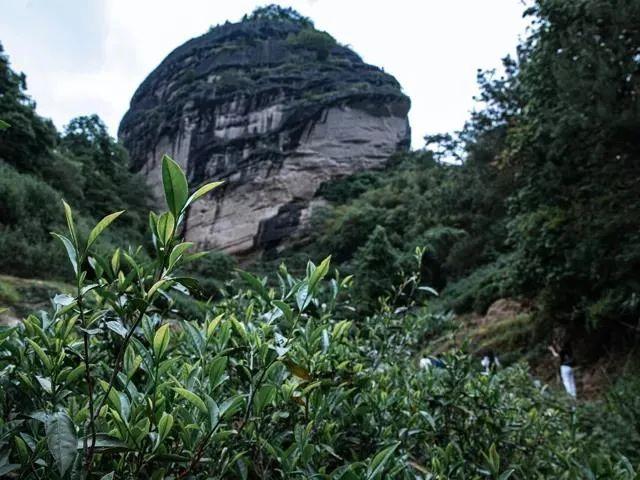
(535, 199)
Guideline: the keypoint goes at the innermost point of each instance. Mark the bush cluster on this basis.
(268, 383)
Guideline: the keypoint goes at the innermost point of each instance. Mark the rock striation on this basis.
(273, 107)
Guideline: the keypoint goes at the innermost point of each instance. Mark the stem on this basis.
(91, 424)
(118, 365)
(252, 395)
(203, 444)
(140, 462)
(253, 389)
(200, 450)
(154, 399)
(91, 420)
(127, 338)
(35, 472)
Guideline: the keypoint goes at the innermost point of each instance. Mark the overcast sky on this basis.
(89, 56)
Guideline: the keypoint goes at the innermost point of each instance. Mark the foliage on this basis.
(315, 376)
(271, 383)
(38, 167)
(542, 192)
(212, 271)
(574, 152)
(27, 140)
(8, 294)
(477, 291)
(311, 39)
(276, 12)
(375, 266)
(27, 215)
(350, 187)
(418, 202)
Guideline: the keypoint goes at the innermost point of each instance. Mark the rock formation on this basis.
(273, 107)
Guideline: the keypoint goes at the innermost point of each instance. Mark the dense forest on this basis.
(39, 166)
(156, 361)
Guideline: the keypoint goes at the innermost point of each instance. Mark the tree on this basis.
(376, 267)
(276, 12)
(85, 166)
(26, 144)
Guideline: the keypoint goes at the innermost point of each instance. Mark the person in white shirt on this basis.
(566, 368)
(489, 362)
(428, 362)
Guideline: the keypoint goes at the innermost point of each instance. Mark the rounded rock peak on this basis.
(266, 103)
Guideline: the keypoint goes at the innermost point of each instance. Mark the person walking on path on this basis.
(566, 368)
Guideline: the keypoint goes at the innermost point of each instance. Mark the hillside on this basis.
(541, 205)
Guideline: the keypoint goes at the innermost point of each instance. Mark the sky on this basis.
(88, 56)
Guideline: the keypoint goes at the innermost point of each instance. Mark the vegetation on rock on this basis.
(273, 58)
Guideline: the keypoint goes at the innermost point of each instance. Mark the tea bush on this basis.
(272, 382)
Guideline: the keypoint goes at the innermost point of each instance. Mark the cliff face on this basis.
(275, 109)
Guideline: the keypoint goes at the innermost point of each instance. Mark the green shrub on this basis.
(26, 198)
(543, 176)
(8, 294)
(212, 271)
(321, 43)
(342, 190)
(479, 290)
(273, 12)
(376, 268)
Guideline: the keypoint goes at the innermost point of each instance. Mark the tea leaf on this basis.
(40, 352)
(71, 250)
(176, 189)
(70, 223)
(303, 296)
(319, 273)
(161, 341)
(166, 227)
(192, 398)
(377, 465)
(255, 284)
(117, 327)
(177, 252)
(202, 191)
(297, 370)
(101, 226)
(164, 425)
(61, 439)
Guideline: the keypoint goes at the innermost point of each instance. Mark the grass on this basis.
(510, 334)
(25, 295)
(8, 294)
